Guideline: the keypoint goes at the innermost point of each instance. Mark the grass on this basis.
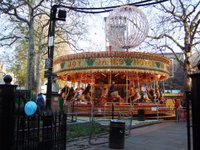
(75, 131)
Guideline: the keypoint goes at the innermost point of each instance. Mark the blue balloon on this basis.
(30, 108)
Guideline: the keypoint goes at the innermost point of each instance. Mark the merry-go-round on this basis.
(127, 79)
(118, 77)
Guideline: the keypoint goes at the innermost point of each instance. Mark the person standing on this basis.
(40, 102)
(111, 91)
(177, 105)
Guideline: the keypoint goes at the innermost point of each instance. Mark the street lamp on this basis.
(54, 16)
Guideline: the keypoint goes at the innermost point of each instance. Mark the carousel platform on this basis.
(150, 111)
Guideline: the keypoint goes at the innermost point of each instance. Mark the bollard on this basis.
(195, 110)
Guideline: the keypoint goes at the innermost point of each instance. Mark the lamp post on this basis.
(61, 15)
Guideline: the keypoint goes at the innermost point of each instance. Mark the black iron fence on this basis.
(40, 132)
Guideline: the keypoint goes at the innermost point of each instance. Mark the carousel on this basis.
(119, 76)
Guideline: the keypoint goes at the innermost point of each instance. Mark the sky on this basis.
(97, 31)
(96, 34)
(96, 26)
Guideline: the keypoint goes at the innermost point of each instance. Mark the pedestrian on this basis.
(40, 102)
(177, 105)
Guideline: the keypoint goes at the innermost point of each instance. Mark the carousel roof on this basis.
(145, 65)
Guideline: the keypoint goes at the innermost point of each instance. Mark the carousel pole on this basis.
(163, 82)
(127, 88)
(110, 83)
(110, 79)
(92, 88)
(92, 100)
(138, 82)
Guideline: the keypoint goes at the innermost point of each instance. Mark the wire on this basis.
(152, 3)
(108, 9)
(92, 12)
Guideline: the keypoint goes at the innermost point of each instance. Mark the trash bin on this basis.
(117, 133)
(141, 115)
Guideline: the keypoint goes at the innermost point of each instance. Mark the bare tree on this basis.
(23, 13)
(28, 26)
(178, 30)
(29, 23)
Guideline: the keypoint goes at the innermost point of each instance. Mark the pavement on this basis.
(165, 135)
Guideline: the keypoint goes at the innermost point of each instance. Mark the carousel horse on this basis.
(135, 96)
(158, 93)
(87, 90)
(83, 95)
(115, 97)
(86, 95)
(70, 94)
(65, 91)
(151, 94)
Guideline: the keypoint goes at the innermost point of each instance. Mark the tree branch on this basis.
(169, 37)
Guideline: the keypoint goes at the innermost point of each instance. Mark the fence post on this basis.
(7, 114)
(188, 99)
(73, 107)
(64, 130)
(195, 110)
(47, 131)
(113, 110)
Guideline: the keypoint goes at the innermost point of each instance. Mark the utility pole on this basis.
(49, 62)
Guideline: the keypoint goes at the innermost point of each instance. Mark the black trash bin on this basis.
(117, 133)
(141, 115)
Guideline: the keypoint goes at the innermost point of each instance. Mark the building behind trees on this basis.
(176, 81)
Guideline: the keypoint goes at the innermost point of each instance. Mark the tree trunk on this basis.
(188, 71)
(39, 62)
(31, 55)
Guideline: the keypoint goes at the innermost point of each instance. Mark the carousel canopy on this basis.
(145, 66)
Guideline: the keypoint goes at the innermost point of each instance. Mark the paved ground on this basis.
(162, 136)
